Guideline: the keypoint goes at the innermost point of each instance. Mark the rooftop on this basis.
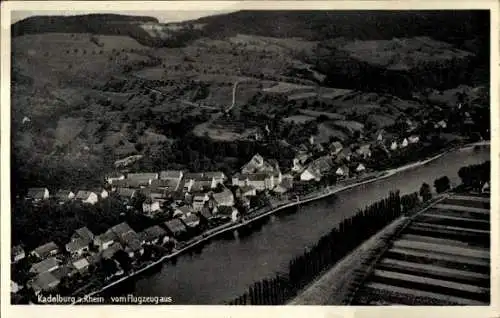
(45, 249)
(44, 265)
(175, 225)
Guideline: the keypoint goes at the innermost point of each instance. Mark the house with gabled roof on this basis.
(109, 252)
(342, 171)
(44, 282)
(218, 176)
(45, 250)
(317, 169)
(37, 194)
(191, 220)
(364, 151)
(133, 244)
(63, 196)
(226, 212)
(335, 148)
(165, 184)
(87, 197)
(125, 194)
(175, 227)
(257, 164)
(77, 246)
(83, 233)
(154, 235)
(183, 210)
(46, 265)
(199, 200)
(81, 264)
(174, 175)
(17, 253)
(225, 197)
(121, 229)
(114, 176)
(143, 178)
(150, 206)
(105, 240)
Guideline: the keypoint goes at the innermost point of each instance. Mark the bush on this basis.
(442, 184)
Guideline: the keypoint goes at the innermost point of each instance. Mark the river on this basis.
(224, 267)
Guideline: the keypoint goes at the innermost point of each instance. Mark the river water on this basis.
(224, 268)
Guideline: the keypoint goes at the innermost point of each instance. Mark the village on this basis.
(184, 205)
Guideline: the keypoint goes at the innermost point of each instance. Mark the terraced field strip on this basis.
(469, 215)
(435, 271)
(436, 240)
(422, 282)
(462, 208)
(470, 198)
(468, 203)
(451, 228)
(417, 297)
(445, 249)
(455, 218)
(431, 256)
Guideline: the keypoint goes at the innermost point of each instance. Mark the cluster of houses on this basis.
(344, 161)
(84, 249)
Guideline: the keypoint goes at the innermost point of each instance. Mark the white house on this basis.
(87, 197)
(404, 143)
(150, 206)
(310, 174)
(360, 168)
(394, 145)
(342, 171)
(224, 198)
(114, 177)
(413, 139)
(486, 188)
(199, 200)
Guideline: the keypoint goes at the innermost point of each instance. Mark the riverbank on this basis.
(265, 212)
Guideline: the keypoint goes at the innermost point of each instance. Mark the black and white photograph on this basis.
(238, 157)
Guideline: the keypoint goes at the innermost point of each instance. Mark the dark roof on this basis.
(191, 218)
(132, 240)
(36, 193)
(17, 250)
(142, 176)
(247, 188)
(62, 271)
(205, 212)
(125, 192)
(153, 232)
(193, 175)
(107, 236)
(45, 249)
(45, 281)
(83, 194)
(84, 233)
(258, 176)
(126, 183)
(225, 210)
(175, 225)
(170, 184)
(110, 252)
(62, 194)
(121, 229)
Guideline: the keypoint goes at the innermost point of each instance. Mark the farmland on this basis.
(127, 94)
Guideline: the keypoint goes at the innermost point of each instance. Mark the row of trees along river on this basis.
(350, 233)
